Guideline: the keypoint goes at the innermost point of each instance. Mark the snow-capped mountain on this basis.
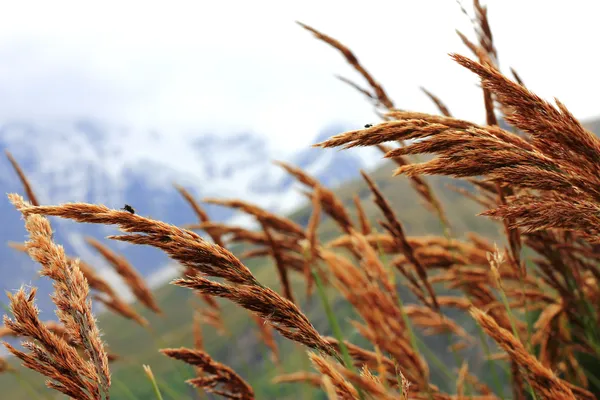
(86, 161)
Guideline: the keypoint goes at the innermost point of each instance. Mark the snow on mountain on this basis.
(88, 161)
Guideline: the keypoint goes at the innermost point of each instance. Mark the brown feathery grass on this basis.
(503, 156)
(312, 378)
(6, 331)
(343, 389)
(421, 186)
(58, 330)
(51, 355)
(220, 379)
(211, 260)
(212, 317)
(105, 292)
(311, 254)
(542, 379)
(279, 263)
(23, 178)
(122, 308)
(541, 307)
(197, 329)
(269, 219)
(439, 104)
(379, 95)
(94, 280)
(394, 227)
(565, 197)
(129, 274)
(280, 313)
(516, 166)
(330, 202)
(365, 225)
(200, 213)
(383, 318)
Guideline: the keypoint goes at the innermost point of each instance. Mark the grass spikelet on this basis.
(386, 325)
(460, 382)
(94, 280)
(311, 254)
(311, 378)
(434, 323)
(23, 178)
(282, 314)
(343, 389)
(182, 245)
(544, 382)
(200, 213)
(150, 375)
(378, 93)
(329, 388)
(403, 385)
(397, 231)
(219, 379)
(330, 203)
(279, 263)
(276, 222)
(53, 355)
(439, 104)
(212, 317)
(365, 226)
(517, 77)
(121, 308)
(547, 124)
(421, 186)
(368, 384)
(131, 277)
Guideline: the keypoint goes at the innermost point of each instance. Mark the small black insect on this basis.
(128, 208)
(368, 125)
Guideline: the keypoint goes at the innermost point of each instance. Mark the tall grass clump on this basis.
(532, 292)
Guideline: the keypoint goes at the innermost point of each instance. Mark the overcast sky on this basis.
(233, 65)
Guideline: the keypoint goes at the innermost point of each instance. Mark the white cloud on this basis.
(246, 65)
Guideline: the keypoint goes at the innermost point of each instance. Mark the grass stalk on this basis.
(333, 322)
(412, 336)
(442, 367)
(415, 344)
(335, 326)
(150, 376)
(488, 355)
(513, 325)
(449, 237)
(527, 317)
(187, 370)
